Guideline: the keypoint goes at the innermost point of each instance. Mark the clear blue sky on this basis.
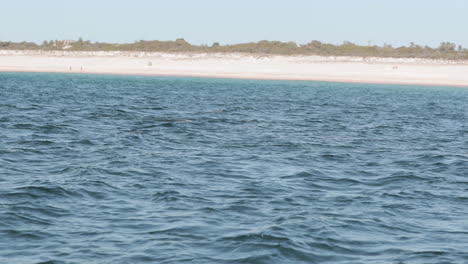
(396, 22)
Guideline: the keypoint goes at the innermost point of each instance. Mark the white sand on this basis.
(233, 65)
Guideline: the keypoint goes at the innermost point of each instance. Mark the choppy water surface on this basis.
(113, 169)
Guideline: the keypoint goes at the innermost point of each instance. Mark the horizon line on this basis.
(369, 44)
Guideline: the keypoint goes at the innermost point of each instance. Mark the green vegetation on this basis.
(446, 50)
(18, 46)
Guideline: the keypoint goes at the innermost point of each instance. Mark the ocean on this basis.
(137, 169)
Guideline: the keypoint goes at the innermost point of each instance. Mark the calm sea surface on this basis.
(115, 169)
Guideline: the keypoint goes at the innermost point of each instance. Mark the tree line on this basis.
(446, 50)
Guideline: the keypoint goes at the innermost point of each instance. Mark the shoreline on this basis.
(245, 78)
(242, 66)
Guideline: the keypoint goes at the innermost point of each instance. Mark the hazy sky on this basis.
(397, 22)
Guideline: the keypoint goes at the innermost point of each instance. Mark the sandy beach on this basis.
(234, 65)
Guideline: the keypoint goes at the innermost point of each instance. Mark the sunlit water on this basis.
(114, 169)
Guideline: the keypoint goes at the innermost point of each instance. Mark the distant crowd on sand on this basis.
(71, 68)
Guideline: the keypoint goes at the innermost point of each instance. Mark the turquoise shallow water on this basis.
(120, 169)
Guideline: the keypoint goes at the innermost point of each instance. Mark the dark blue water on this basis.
(114, 169)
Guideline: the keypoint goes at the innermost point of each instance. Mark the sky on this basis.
(375, 22)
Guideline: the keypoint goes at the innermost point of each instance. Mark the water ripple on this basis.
(114, 169)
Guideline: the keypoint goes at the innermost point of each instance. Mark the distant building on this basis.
(66, 44)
